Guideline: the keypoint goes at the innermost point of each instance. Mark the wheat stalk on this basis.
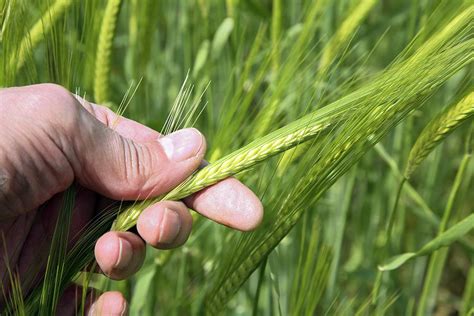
(104, 51)
(438, 258)
(437, 130)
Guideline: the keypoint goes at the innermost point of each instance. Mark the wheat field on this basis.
(352, 120)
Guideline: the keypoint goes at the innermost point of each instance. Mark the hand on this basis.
(51, 139)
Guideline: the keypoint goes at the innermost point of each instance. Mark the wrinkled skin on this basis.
(51, 139)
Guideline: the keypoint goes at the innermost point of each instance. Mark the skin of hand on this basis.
(51, 139)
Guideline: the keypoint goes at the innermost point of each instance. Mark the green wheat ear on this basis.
(437, 130)
(104, 51)
(274, 143)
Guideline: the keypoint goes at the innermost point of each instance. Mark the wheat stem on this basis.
(438, 258)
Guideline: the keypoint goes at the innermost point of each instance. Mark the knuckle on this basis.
(134, 164)
(54, 104)
(54, 89)
(58, 105)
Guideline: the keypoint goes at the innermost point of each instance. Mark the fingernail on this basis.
(125, 254)
(169, 226)
(182, 144)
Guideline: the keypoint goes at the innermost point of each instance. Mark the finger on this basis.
(119, 254)
(165, 225)
(143, 165)
(125, 127)
(230, 203)
(110, 303)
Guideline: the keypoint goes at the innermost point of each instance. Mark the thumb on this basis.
(121, 168)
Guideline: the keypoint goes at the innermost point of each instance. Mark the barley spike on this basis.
(242, 159)
(437, 130)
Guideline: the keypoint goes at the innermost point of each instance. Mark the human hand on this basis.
(52, 139)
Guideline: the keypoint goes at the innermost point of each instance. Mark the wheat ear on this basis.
(104, 50)
(274, 143)
(263, 148)
(437, 130)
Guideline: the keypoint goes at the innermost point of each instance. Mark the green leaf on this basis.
(449, 236)
(443, 240)
(141, 295)
(395, 262)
